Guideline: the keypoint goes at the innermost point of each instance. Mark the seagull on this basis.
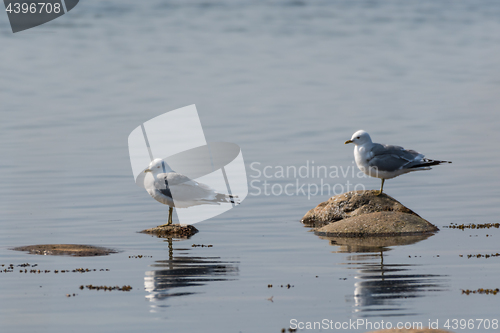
(386, 161)
(176, 190)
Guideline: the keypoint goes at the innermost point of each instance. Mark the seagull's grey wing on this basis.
(392, 158)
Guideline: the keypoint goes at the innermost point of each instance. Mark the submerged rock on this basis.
(372, 244)
(75, 250)
(364, 213)
(174, 230)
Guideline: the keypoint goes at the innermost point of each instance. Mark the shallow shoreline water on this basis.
(289, 82)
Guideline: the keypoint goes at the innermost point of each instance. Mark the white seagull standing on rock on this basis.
(176, 190)
(386, 161)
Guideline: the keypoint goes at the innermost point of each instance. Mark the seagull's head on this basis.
(158, 166)
(359, 138)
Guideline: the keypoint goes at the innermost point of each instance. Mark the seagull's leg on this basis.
(170, 210)
(381, 187)
(169, 222)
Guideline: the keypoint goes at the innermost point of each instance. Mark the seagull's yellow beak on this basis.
(147, 170)
(348, 141)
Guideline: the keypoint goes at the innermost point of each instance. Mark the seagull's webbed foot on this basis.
(168, 224)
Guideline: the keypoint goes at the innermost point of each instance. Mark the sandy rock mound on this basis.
(351, 204)
(378, 223)
(363, 213)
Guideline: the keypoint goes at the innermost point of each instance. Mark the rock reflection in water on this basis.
(384, 289)
(185, 271)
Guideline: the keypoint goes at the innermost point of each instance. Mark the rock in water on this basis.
(363, 213)
(352, 204)
(75, 250)
(378, 223)
(172, 231)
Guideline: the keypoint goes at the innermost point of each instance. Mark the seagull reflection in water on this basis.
(185, 271)
(383, 289)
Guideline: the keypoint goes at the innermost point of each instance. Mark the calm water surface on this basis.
(289, 81)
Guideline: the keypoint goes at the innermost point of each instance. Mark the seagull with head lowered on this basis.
(176, 190)
(386, 161)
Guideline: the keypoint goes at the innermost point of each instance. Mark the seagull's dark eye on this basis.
(358, 137)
